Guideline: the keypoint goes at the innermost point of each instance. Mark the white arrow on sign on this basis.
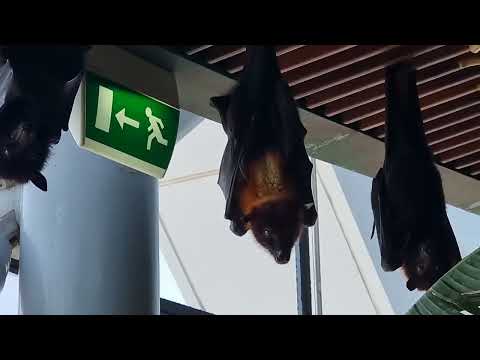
(124, 119)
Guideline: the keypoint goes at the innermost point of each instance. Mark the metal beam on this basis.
(302, 259)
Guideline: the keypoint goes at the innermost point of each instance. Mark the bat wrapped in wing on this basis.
(37, 92)
(407, 198)
(265, 173)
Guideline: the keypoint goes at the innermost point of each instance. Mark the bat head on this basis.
(276, 226)
(24, 147)
(425, 264)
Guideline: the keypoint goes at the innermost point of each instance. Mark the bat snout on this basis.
(281, 257)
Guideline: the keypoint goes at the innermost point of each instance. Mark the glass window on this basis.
(357, 189)
(9, 296)
(213, 269)
(168, 285)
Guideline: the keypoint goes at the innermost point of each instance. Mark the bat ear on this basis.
(410, 285)
(39, 181)
(309, 215)
(220, 103)
(238, 227)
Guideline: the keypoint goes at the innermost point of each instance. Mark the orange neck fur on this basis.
(266, 182)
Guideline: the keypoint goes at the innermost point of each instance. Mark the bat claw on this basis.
(373, 231)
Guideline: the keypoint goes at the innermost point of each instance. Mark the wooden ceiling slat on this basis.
(218, 53)
(456, 141)
(473, 170)
(454, 130)
(283, 49)
(192, 50)
(466, 161)
(334, 62)
(294, 56)
(375, 125)
(309, 54)
(446, 63)
(378, 92)
(446, 66)
(357, 70)
(459, 152)
(452, 119)
(441, 54)
(378, 106)
(356, 100)
(344, 89)
(234, 64)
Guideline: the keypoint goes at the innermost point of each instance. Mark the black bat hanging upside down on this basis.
(265, 173)
(37, 91)
(408, 203)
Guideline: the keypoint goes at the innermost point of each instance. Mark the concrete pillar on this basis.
(90, 244)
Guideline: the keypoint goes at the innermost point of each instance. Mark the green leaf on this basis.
(455, 293)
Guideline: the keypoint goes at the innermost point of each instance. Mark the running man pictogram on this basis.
(155, 130)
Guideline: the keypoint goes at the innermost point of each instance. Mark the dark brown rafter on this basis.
(429, 114)
(473, 170)
(453, 118)
(426, 102)
(378, 92)
(433, 64)
(356, 70)
(453, 142)
(459, 152)
(289, 57)
(334, 62)
(308, 54)
(464, 162)
(234, 64)
(216, 54)
(454, 130)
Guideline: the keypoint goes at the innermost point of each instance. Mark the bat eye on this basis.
(267, 233)
(7, 150)
(420, 268)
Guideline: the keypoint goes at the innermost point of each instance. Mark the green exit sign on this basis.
(131, 128)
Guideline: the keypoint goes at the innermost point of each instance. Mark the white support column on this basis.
(90, 244)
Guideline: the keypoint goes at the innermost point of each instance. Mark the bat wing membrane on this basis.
(389, 238)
